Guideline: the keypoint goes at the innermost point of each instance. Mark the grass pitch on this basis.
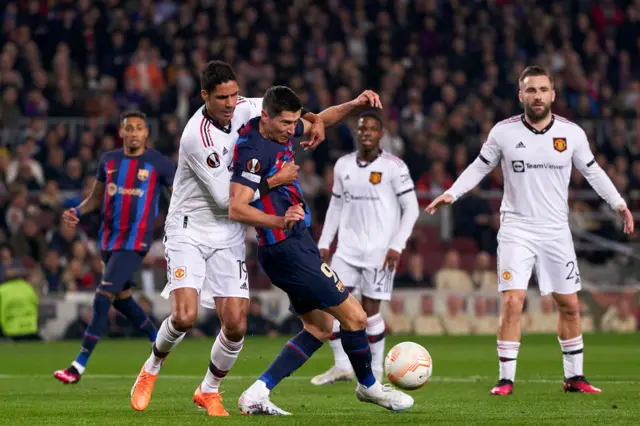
(465, 368)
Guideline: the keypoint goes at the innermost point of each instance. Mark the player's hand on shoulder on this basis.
(69, 217)
(316, 135)
(287, 175)
(391, 260)
(325, 254)
(292, 215)
(368, 98)
(627, 219)
(442, 199)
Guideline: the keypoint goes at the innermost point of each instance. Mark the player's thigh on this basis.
(226, 275)
(119, 269)
(318, 323)
(557, 267)
(351, 276)
(377, 283)
(515, 264)
(295, 266)
(186, 268)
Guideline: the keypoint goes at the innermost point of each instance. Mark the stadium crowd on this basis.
(445, 71)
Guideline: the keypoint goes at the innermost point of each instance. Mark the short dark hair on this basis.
(373, 115)
(534, 71)
(216, 72)
(279, 99)
(133, 113)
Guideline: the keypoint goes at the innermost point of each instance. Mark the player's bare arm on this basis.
(241, 211)
(333, 115)
(72, 216)
(441, 199)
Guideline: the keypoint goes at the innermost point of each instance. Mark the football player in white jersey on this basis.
(373, 209)
(205, 251)
(536, 151)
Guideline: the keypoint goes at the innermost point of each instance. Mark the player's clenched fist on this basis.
(287, 175)
(70, 218)
(292, 215)
(443, 199)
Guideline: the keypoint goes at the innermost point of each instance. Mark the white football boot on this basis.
(385, 396)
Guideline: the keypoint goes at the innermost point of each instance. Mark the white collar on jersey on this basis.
(226, 129)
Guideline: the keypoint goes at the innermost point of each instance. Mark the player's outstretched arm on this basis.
(486, 161)
(335, 114)
(241, 211)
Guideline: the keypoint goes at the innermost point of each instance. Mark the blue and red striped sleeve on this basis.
(250, 165)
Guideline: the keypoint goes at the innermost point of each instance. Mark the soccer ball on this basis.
(408, 365)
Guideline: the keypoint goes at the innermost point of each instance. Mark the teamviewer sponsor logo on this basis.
(545, 166)
(518, 166)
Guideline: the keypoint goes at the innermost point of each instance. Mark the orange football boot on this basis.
(141, 390)
(211, 401)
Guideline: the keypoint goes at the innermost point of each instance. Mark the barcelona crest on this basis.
(375, 177)
(560, 144)
(143, 174)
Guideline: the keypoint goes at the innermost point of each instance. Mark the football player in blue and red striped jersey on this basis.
(289, 255)
(128, 187)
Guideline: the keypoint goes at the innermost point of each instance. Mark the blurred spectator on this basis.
(18, 309)
(414, 275)
(23, 161)
(10, 267)
(29, 241)
(53, 273)
(258, 324)
(397, 321)
(482, 322)
(484, 276)
(456, 321)
(451, 277)
(428, 324)
(543, 321)
(620, 318)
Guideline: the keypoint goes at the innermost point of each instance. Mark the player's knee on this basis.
(569, 311)
(354, 319)
(512, 307)
(184, 318)
(235, 328)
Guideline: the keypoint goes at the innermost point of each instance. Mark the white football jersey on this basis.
(199, 204)
(536, 165)
(370, 195)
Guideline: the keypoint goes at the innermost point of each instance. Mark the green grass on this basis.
(465, 368)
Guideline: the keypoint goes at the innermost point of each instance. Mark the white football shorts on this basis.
(554, 261)
(212, 272)
(374, 283)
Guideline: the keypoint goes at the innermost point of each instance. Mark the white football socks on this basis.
(167, 339)
(224, 354)
(508, 355)
(572, 356)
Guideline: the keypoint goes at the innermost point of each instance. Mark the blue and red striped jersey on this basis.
(257, 158)
(130, 203)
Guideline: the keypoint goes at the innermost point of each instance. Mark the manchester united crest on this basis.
(375, 177)
(143, 174)
(560, 144)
